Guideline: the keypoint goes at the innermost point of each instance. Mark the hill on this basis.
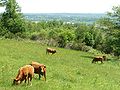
(66, 70)
(65, 17)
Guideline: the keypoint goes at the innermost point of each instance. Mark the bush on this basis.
(80, 46)
(34, 37)
(52, 42)
(9, 35)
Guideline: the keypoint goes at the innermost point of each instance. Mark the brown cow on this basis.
(39, 69)
(25, 73)
(50, 50)
(99, 58)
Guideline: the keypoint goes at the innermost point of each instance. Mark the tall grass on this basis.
(66, 70)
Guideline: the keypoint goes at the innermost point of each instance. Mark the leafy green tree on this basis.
(115, 16)
(105, 24)
(65, 37)
(89, 39)
(80, 32)
(53, 34)
(110, 27)
(12, 19)
(109, 45)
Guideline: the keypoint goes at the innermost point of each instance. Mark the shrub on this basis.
(34, 37)
(80, 46)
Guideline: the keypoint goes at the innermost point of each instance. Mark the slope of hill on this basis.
(66, 70)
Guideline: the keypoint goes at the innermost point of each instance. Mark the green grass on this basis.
(66, 70)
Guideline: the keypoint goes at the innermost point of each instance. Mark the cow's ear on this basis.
(44, 66)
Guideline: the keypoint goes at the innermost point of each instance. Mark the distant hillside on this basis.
(66, 17)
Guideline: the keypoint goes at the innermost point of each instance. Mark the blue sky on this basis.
(66, 6)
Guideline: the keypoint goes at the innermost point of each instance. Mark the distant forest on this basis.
(74, 31)
(88, 18)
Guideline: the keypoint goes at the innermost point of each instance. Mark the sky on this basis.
(66, 6)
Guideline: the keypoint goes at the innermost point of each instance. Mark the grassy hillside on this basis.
(66, 70)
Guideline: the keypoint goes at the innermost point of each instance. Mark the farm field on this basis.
(66, 69)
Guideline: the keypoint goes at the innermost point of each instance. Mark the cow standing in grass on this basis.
(39, 69)
(50, 50)
(25, 73)
(99, 58)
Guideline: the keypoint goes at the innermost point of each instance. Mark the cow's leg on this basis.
(92, 61)
(101, 61)
(39, 76)
(39, 72)
(44, 75)
(96, 61)
(46, 52)
(20, 82)
(25, 80)
(30, 80)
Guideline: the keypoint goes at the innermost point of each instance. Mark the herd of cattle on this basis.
(26, 72)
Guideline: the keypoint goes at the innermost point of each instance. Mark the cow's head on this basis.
(15, 82)
(43, 71)
(104, 58)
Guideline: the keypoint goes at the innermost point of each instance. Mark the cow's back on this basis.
(28, 69)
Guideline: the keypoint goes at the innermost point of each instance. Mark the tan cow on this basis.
(25, 73)
(99, 58)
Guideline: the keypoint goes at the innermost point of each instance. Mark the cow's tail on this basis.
(44, 73)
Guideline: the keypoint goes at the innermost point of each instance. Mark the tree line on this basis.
(103, 35)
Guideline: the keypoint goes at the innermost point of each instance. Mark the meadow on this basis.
(66, 70)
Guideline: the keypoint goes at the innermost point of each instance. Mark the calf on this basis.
(39, 69)
(99, 58)
(50, 50)
(25, 73)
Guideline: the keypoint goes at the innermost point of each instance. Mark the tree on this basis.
(89, 39)
(105, 24)
(65, 37)
(115, 16)
(12, 19)
(80, 32)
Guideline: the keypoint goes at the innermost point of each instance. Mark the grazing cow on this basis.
(99, 58)
(25, 73)
(50, 50)
(39, 69)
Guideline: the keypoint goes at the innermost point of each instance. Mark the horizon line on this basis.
(60, 13)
